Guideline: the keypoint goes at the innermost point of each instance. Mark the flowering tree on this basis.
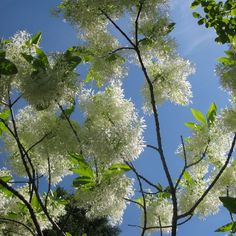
(43, 143)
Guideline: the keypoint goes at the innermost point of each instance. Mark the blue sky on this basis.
(194, 43)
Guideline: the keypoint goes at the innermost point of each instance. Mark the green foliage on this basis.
(220, 15)
(230, 227)
(229, 203)
(209, 119)
(198, 116)
(6, 66)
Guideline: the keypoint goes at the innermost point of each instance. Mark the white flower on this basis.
(57, 83)
(188, 197)
(112, 131)
(169, 79)
(159, 212)
(107, 198)
(57, 139)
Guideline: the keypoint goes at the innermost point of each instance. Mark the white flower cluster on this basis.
(55, 84)
(159, 213)
(41, 87)
(15, 209)
(169, 79)
(188, 197)
(227, 73)
(112, 131)
(47, 137)
(107, 198)
(216, 142)
(229, 118)
(14, 50)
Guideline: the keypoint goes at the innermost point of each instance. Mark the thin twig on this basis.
(49, 181)
(118, 28)
(137, 23)
(143, 196)
(186, 165)
(152, 147)
(159, 219)
(135, 202)
(71, 126)
(121, 48)
(27, 204)
(17, 99)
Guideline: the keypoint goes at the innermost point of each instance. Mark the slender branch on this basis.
(152, 147)
(118, 28)
(38, 142)
(23, 154)
(159, 219)
(186, 165)
(17, 99)
(163, 226)
(49, 181)
(71, 126)
(143, 196)
(135, 202)
(157, 125)
(148, 182)
(137, 23)
(121, 48)
(212, 183)
(17, 222)
(27, 204)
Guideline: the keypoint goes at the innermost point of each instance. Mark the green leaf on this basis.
(188, 177)
(28, 58)
(83, 171)
(163, 195)
(6, 178)
(2, 54)
(7, 67)
(229, 203)
(35, 203)
(228, 227)
(68, 111)
(72, 59)
(226, 61)
(76, 159)
(171, 27)
(114, 57)
(233, 12)
(191, 125)
(6, 191)
(195, 4)
(119, 167)
(84, 234)
(198, 116)
(92, 75)
(139, 200)
(201, 22)
(68, 234)
(196, 15)
(84, 182)
(159, 187)
(42, 56)
(36, 38)
(211, 113)
(5, 114)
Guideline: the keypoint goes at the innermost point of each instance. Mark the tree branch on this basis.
(212, 183)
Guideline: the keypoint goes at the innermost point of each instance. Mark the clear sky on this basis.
(194, 43)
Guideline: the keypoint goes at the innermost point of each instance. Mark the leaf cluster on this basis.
(219, 15)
